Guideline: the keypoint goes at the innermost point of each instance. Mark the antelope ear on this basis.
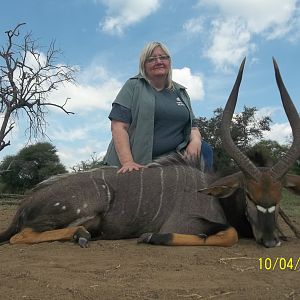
(292, 183)
(223, 187)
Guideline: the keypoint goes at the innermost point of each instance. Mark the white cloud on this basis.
(69, 134)
(96, 89)
(194, 25)
(193, 83)
(259, 15)
(84, 127)
(267, 111)
(238, 21)
(91, 136)
(280, 132)
(121, 14)
(230, 42)
(71, 156)
(87, 98)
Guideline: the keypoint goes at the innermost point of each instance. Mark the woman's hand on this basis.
(130, 166)
(194, 146)
(121, 140)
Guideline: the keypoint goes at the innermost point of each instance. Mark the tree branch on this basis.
(27, 79)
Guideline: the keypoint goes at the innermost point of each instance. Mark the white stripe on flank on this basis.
(107, 188)
(141, 194)
(194, 175)
(161, 194)
(96, 186)
(177, 181)
(184, 173)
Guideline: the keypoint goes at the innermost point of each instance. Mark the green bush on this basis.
(28, 167)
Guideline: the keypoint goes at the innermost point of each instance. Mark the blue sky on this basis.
(207, 40)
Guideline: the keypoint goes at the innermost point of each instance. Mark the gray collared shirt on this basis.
(138, 96)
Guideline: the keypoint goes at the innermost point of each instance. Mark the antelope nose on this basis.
(270, 243)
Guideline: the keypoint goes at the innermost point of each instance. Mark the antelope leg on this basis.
(29, 236)
(225, 238)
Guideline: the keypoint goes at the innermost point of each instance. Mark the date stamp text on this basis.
(279, 263)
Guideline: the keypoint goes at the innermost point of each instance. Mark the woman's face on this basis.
(157, 65)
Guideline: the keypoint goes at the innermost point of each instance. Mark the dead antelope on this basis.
(262, 187)
(159, 204)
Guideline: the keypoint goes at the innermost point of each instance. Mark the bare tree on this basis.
(27, 77)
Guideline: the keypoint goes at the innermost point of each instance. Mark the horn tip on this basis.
(243, 63)
(275, 63)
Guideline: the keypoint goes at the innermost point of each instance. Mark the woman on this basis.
(152, 116)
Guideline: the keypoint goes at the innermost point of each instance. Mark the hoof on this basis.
(145, 238)
(82, 237)
(83, 242)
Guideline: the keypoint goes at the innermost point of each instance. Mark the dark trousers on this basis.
(207, 155)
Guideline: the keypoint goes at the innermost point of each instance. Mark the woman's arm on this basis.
(122, 146)
(194, 146)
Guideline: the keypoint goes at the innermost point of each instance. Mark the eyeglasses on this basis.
(153, 59)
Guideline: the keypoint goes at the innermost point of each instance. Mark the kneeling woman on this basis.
(152, 116)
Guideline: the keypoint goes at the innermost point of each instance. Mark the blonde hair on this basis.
(147, 52)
